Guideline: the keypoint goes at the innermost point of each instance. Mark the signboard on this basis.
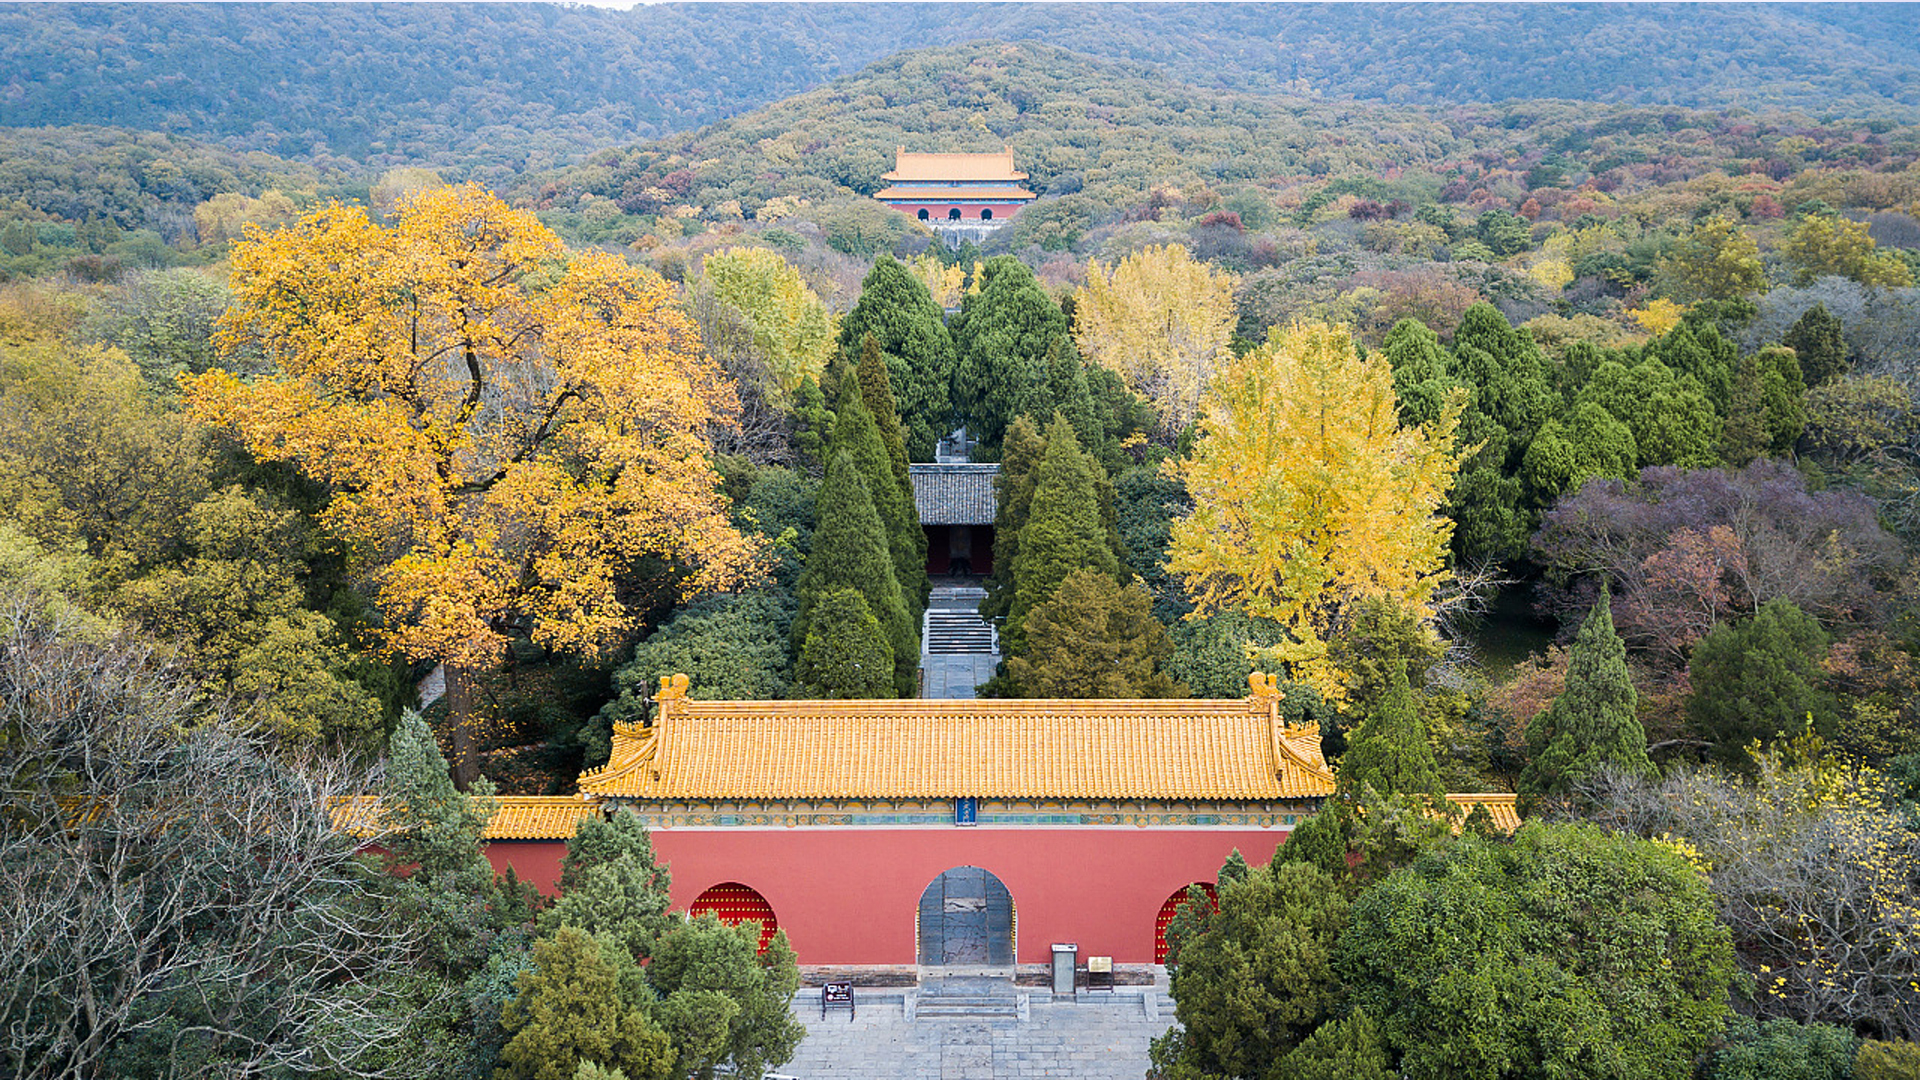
(1100, 973)
(836, 995)
(966, 811)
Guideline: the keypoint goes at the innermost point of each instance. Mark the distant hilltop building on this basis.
(958, 195)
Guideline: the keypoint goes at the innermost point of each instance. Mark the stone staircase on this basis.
(968, 999)
(952, 624)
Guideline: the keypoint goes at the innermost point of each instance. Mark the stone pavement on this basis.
(955, 675)
(948, 673)
(1102, 1040)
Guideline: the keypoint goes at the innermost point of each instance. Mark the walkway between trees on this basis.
(958, 650)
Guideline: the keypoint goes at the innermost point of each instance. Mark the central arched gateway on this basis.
(966, 918)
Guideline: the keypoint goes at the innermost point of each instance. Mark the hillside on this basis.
(492, 90)
(1105, 134)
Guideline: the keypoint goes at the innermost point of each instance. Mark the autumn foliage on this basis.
(1309, 494)
(506, 428)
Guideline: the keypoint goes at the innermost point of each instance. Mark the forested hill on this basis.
(497, 89)
(1105, 134)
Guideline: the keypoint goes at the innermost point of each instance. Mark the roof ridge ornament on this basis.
(672, 698)
(1265, 696)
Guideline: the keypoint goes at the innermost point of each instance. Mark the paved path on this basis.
(1106, 1041)
(955, 674)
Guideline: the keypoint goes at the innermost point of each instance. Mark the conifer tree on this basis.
(898, 311)
(585, 999)
(1094, 638)
(846, 654)
(1593, 723)
(813, 423)
(1004, 338)
(1819, 340)
(1064, 530)
(856, 434)
(1020, 456)
(438, 826)
(1389, 752)
(876, 392)
(611, 884)
(850, 552)
(1067, 391)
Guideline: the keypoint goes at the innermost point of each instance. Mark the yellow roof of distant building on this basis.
(1175, 749)
(1502, 807)
(520, 817)
(910, 167)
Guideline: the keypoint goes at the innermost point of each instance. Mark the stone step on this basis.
(941, 1007)
(958, 632)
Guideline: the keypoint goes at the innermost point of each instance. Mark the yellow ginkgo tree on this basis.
(507, 430)
(1309, 495)
(1161, 320)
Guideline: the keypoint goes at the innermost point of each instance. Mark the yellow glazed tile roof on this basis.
(520, 817)
(910, 167)
(1503, 808)
(988, 748)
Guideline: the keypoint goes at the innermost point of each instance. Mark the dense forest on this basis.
(1618, 508)
(490, 91)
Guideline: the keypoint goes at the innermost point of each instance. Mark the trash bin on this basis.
(1066, 957)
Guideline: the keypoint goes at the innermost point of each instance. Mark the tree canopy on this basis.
(1308, 492)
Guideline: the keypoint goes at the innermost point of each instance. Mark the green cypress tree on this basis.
(1593, 723)
(1069, 395)
(1021, 452)
(1064, 530)
(896, 309)
(1006, 333)
(1094, 638)
(856, 434)
(1819, 340)
(876, 392)
(585, 999)
(611, 884)
(1421, 381)
(437, 827)
(1759, 680)
(846, 654)
(1350, 1048)
(812, 423)
(850, 552)
(1388, 751)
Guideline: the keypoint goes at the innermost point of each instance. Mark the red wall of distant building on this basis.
(968, 211)
(848, 895)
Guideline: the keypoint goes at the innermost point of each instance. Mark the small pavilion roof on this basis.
(954, 493)
(1176, 749)
(908, 167)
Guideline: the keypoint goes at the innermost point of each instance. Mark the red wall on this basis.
(848, 896)
(937, 212)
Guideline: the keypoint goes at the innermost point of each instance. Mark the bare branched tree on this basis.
(1812, 867)
(174, 901)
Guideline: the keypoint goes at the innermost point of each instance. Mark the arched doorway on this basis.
(953, 214)
(733, 903)
(986, 213)
(966, 918)
(1171, 908)
(923, 214)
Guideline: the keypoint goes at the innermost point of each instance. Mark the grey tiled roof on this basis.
(954, 494)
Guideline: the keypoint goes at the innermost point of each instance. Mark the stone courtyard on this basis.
(1101, 1036)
